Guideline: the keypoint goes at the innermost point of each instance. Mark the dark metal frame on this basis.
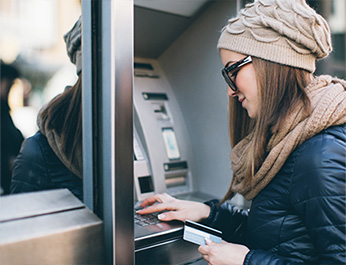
(107, 122)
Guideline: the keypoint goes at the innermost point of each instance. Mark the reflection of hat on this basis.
(287, 32)
(73, 40)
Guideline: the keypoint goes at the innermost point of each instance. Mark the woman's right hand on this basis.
(175, 209)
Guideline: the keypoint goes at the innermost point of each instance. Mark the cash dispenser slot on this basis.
(175, 166)
(176, 174)
(176, 180)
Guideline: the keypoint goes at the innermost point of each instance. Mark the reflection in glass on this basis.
(32, 41)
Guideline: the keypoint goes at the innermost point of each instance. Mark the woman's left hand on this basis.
(223, 253)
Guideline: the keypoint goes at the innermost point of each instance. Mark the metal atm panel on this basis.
(49, 227)
(163, 162)
(160, 125)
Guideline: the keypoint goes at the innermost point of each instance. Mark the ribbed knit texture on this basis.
(328, 99)
(73, 40)
(288, 32)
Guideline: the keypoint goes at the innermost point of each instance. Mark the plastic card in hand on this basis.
(197, 233)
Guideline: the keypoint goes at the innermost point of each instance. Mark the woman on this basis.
(287, 131)
(52, 158)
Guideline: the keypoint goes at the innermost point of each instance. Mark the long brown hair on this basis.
(64, 115)
(280, 90)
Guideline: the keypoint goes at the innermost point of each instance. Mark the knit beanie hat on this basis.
(73, 40)
(287, 32)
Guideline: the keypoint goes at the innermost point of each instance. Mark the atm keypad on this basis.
(147, 219)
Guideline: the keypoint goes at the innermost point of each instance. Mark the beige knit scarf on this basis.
(328, 100)
(54, 141)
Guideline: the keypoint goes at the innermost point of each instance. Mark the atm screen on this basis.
(170, 143)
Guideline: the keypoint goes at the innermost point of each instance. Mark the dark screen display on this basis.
(145, 184)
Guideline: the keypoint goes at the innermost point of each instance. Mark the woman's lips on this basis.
(241, 100)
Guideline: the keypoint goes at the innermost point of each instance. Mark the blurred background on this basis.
(335, 13)
(31, 39)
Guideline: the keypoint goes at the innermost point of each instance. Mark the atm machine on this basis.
(163, 159)
(163, 162)
(180, 119)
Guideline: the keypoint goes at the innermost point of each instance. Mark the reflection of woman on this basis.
(11, 137)
(52, 158)
(287, 130)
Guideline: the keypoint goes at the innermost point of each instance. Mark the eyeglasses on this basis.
(232, 70)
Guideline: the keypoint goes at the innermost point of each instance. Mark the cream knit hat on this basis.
(287, 32)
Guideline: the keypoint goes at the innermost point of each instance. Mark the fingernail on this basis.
(161, 216)
(207, 240)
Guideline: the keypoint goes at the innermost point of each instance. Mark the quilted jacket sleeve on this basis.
(318, 195)
(37, 168)
(229, 219)
(318, 198)
(29, 169)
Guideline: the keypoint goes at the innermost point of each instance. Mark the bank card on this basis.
(197, 233)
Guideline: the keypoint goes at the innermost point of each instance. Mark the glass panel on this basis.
(33, 55)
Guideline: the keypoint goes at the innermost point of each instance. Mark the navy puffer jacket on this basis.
(38, 168)
(299, 217)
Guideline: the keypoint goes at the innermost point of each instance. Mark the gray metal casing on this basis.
(48, 227)
(150, 131)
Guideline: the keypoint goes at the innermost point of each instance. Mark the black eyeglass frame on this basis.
(232, 68)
